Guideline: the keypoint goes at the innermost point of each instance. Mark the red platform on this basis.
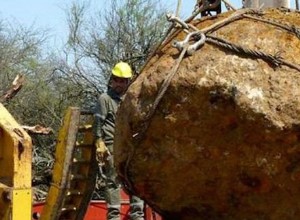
(97, 210)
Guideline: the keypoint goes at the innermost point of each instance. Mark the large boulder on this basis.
(223, 142)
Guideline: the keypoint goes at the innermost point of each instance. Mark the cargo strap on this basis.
(75, 169)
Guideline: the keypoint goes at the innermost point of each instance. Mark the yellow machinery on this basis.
(15, 169)
(73, 174)
(74, 169)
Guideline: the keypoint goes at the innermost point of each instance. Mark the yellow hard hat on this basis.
(122, 70)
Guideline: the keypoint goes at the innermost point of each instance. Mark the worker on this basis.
(104, 129)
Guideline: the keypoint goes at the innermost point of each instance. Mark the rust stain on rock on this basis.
(224, 140)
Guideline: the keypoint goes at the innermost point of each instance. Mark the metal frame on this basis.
(15, 172)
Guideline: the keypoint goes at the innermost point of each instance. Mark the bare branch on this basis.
(37, 129)
(14, 89)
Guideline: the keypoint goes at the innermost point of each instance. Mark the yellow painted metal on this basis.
(63, 155)
(74, 169)
(21, 200)
(15, 164)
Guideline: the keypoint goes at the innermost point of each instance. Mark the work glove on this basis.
(101, 150)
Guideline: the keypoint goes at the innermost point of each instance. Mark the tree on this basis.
(126, 31)
(21, 55)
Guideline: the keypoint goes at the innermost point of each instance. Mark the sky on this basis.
(50, 14)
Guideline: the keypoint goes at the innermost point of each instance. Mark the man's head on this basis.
(121, 76)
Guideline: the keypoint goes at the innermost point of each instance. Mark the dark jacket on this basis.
(105, 114)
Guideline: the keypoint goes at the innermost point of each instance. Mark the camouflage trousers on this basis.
(112, 196)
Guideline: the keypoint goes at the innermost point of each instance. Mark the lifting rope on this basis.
(178, 8)
(228, 5)
(275, 60)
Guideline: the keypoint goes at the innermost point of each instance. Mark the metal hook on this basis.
(192, 48)
(185, 43)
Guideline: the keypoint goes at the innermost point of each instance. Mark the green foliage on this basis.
(127, 31)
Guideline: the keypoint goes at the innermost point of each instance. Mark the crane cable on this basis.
(178, 8)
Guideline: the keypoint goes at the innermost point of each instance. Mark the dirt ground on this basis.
(224, 140)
